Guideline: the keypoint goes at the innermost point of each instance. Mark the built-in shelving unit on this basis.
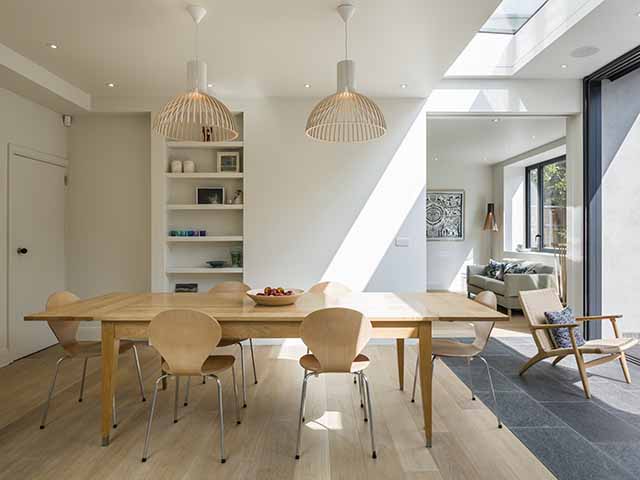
(186, 257)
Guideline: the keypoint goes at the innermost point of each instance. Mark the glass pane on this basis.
(533, 209)
(555, 204)
(511, 15)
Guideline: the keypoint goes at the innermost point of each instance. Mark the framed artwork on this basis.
(228, 162)
(210, 195)
(445, 215)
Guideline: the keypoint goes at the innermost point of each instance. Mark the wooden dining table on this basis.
(393, 315)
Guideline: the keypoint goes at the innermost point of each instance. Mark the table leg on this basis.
(400, 352)
(110, 348)
(424, 344)
(162, 372)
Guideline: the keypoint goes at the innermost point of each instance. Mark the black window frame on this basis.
(539, 168)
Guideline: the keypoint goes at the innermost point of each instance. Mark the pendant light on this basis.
(196, 115)
(347, 116)
(490, 219)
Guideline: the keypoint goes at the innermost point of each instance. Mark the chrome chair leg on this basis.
(304, 375)
(204, 380)
(363, 396)
(51, 388)
(368, 394)
(253, 361)
(151, 412)
(221, 408)
(186, 393)
(493, 391)
(473, 395)
(303, 398)
(137, 360)
(415, 375)
(355, 378)
(244, 382)
(235, 394)
(175, 402)
(361, 390)
(114, 411)
(84, 375)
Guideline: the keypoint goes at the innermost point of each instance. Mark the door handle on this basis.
(22, 251)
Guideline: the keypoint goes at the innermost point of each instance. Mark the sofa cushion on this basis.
(479, 281)
(496, 286)
(495, 269)
(561, 336)
(516, 267)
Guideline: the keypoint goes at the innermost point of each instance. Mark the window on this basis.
(511, 16)
(546, 197)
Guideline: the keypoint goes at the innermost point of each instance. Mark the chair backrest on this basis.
(336, 336)
(184, 338)
(483, 329)
(230, 287)
(534, 304)
(330, 288)
(65, 330)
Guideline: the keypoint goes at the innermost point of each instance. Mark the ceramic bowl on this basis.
(275, 301)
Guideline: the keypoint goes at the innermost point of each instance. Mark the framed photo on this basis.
(210, 195)
(445, 215)
(228, 162)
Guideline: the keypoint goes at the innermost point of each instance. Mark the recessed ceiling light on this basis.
(210, 85)
(533, 137)
(403, 85)
(110, 84)
(496, 120)
(307, 85)
(564, 65)
(435, 159)
(52, 45)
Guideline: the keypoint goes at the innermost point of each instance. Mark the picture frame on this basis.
(228, 162)
(445, 215)
(209, 195)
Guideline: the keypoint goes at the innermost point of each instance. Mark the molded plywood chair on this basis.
(468, 351)
(330, 288)
(185, 339)
(66, 333)
(536, 302)
(336, 336)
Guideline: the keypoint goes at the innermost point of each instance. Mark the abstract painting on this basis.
(445, 215)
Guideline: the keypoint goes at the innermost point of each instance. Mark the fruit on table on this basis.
(275, 292)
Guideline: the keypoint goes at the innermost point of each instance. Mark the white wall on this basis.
(108, 214)
(22, 122)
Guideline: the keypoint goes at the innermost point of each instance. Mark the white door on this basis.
(36, 248)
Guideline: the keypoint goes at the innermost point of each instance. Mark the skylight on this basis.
(511, 16)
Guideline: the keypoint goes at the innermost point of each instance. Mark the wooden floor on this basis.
(466, 444)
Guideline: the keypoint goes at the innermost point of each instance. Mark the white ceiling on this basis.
(613, 27)
(481, 140)
(252, 47)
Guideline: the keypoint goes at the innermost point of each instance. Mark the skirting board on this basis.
(5, 357)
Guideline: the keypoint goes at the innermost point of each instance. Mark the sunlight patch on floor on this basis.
(328, 421)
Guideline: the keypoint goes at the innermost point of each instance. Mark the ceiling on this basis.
(253, 47)
(613, 27)
(482, 140)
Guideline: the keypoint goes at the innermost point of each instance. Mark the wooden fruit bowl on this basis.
(275, 301)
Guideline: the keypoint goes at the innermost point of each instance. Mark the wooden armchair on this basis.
(536, 302)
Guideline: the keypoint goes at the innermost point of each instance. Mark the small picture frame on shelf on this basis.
(210, 195)
(228, 162)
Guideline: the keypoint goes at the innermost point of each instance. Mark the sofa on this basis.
(507, 285)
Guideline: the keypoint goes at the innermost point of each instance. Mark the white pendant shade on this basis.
(346, 116)
(196, 115)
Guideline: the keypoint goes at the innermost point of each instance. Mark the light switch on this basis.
(402, 241)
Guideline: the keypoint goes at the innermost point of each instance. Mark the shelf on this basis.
(204, 207)
(205, 175)
(229, 238)
(202, 270)
(209, 145)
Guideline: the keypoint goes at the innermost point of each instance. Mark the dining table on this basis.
(393, 316)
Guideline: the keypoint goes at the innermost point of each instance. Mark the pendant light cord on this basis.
(346, 40)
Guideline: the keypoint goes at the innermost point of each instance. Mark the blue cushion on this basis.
(495, 270)
(560, 336)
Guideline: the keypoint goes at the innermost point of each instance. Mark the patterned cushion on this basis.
(515, 268)
(495, 270)
(560, 336)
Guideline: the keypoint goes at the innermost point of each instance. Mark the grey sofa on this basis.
(506, 290)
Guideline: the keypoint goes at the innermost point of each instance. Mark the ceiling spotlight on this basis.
(496, 120)
(110, 84)
(307, 85)
(52, 45)
(564, 65)
(435, 159)
(533, 137)
(210, 85)
(403, 85)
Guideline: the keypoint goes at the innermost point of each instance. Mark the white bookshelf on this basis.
(185, 257)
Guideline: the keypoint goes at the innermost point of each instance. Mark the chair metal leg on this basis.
(151, 411)
(186, 393)
(84, 375)
(175, 402)
(137, 360)
(363, 396)
(114, 411)
(493, 391)
(51, 388)
(415, 375)
(473, 395)
(303, 398)
(204, 380)
(305, 374)
(235, 395)
(360, 389)
(221, 408)
(253, 361)
(355, 379)
(244, 381)
(368, 395)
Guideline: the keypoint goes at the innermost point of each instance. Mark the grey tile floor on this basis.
(546, 409)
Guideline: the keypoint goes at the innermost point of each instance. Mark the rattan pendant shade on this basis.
(196, 116)
(347, 116)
